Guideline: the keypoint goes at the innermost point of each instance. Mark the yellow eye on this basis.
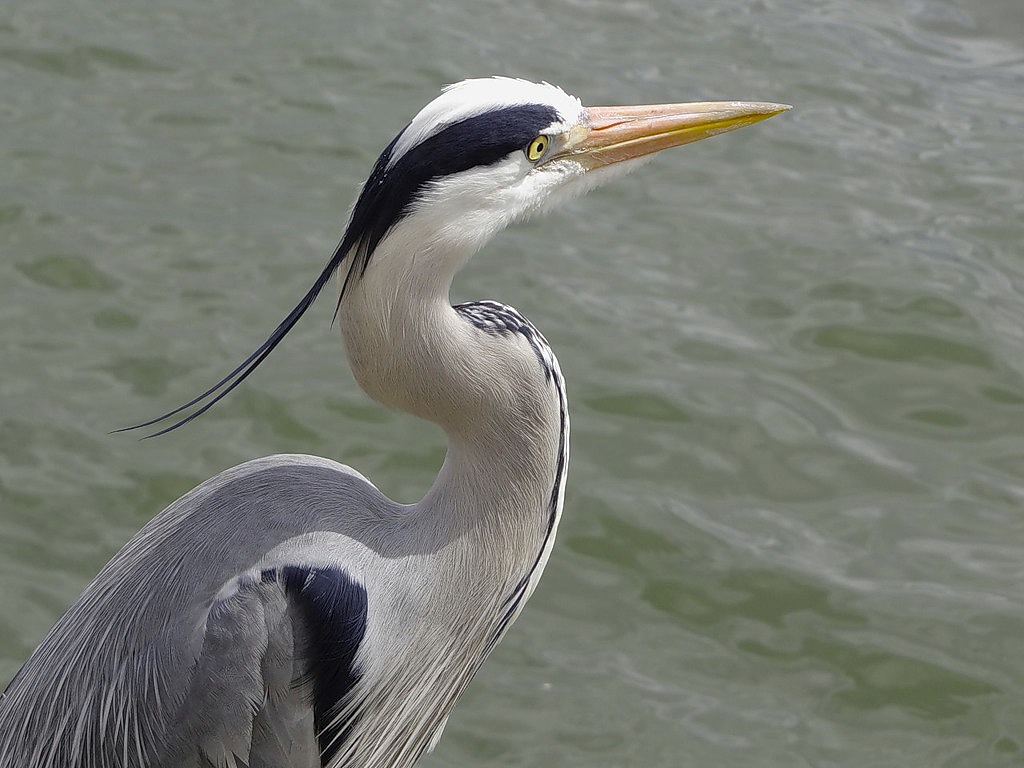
(537, 148)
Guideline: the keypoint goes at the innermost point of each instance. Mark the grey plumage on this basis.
(285, 613)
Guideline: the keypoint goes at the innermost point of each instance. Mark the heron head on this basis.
(490, 151)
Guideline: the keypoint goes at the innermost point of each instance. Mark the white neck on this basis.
(410, 349)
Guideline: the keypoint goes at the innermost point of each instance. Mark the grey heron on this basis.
(285, 612)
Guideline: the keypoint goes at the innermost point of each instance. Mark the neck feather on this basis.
(494, 389)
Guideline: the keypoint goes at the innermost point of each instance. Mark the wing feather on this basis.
(277, 662)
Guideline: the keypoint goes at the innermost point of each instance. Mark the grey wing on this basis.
(193, 649)
(277, 661)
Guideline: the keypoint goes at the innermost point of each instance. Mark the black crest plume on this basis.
(364, 231)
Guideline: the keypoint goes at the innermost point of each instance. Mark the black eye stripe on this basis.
(477, 141)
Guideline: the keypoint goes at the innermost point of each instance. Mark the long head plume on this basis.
(205, 401)
(366, 228)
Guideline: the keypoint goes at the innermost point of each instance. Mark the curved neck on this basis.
(502, 410)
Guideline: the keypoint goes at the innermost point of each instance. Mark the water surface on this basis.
(793, 532)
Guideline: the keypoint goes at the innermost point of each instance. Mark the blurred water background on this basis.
(794, 528)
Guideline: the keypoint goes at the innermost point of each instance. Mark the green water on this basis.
(794, 527)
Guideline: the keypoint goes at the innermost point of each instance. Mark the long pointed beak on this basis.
(623, 133)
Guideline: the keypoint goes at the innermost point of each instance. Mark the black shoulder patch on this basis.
(333, 609)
